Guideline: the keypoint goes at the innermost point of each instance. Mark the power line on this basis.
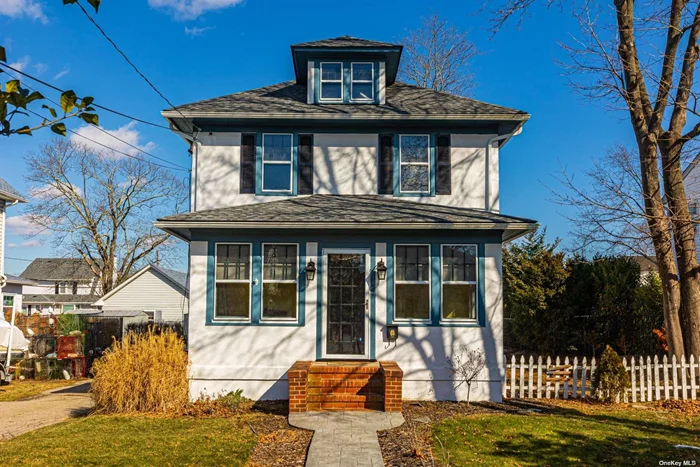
(116, 112)
(19, 259)
(111, 148)
(92, 20)
(175, 166)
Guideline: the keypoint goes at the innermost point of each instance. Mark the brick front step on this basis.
(345, 386)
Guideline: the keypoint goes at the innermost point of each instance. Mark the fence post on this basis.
(530, 376)
(575, 373)
(642, 381)
(504, 388)
(665, 370)
(521, 380)
(693, 387)
(583, 378)
(657, 386)
(539, 377)
(512, 376)
(556, 379)
(649, 378)
(634, 380)
(566, 381)
(674, 369)
(684, 379)
(547, 389)
(591, 377)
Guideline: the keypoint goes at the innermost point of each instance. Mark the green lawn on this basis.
(568, 436)
(18, 390)
(133, 441)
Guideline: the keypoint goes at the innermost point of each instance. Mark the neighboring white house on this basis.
(159, 292)
(13, 291)
(330, 211)
(62, 285)
(8, 197)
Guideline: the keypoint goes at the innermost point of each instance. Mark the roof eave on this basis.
(313, 116)
(12, 197)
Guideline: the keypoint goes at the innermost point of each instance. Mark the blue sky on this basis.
(198, 49)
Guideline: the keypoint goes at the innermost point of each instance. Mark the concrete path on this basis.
(345, 439)
(45, 409)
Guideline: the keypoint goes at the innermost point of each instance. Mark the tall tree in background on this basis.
(610, 215)
(436, 56)
(643, 56)
(102, 206)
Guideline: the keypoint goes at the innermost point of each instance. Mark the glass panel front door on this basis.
(345, 333)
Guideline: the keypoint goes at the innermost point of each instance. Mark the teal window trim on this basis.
(299, 276)
(436, 288)
(479, 279)
(346, 83)
(430, 317)
(432, 165)
(256, 286)
(259, 165)
(247, 319)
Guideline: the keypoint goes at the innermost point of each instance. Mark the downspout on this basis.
(487, 190)
(3, 279)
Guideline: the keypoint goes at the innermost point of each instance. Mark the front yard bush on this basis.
(142, 373)
(610, 378)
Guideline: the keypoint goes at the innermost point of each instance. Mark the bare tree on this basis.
(643, 56)
(610, 214)
(465, 367)
(102, 206)
(437, 55)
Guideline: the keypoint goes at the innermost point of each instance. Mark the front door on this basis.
(346, 304)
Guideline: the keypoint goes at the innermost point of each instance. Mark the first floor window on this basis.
(232, 300)
(277, 153)
(459, 282)
(412, 282)
(279, 292)
(414, 164)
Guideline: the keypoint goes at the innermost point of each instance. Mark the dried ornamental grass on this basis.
(142, 373)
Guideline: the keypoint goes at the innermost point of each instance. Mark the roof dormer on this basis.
(346, 70)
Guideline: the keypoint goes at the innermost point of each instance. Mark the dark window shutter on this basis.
(444, 166)
(386, 164)
(56, 288)
(247, 182)
(305, 184)
(75, 288)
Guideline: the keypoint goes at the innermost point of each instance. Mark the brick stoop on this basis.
(344, 385)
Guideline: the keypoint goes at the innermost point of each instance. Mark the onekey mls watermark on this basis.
(675, 463)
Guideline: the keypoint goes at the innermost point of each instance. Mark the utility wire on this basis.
(116, 112)
(92, 20)
(111, 148)
(176, 166)
(19, 259)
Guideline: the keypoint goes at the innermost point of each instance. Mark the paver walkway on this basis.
(49, 407)
(345, 439)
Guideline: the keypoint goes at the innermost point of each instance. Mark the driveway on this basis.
(45, 409)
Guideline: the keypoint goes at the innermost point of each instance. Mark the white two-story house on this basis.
(344, 220)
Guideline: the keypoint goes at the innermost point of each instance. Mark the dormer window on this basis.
(362, 81)
(331, 81)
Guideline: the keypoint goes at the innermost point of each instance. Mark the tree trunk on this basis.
(684, 236)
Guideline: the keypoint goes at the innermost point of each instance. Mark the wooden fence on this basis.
(652, 379)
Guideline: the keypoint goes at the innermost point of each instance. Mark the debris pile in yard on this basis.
(687, 407)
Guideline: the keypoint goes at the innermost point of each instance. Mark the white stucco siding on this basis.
(49, 288)
(345, 164)
(150, 291)
(422, 351)
(469, 174)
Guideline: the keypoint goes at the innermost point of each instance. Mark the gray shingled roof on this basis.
(9, 193)
(288, 99)
(58, 269)
(11, 279)
(59, 298)
(345, 41)
(344, 209)
(177, 277)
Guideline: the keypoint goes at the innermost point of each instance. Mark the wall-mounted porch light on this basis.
(310, 271)
(381, 270)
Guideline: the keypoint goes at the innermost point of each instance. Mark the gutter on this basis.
(344, 116)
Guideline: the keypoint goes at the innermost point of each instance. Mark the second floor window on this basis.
(414, 164)
(331, 81)
(277, 152)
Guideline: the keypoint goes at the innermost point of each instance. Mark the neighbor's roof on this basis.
(177, 278)
(645, 264)
(345, 211)
(10, 194)
(403, 101)
(345, 41)
(109, 313)
(58, 269)
(11, 279)
(50, 299)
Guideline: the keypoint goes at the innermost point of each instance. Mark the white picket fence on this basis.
(652, 379)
